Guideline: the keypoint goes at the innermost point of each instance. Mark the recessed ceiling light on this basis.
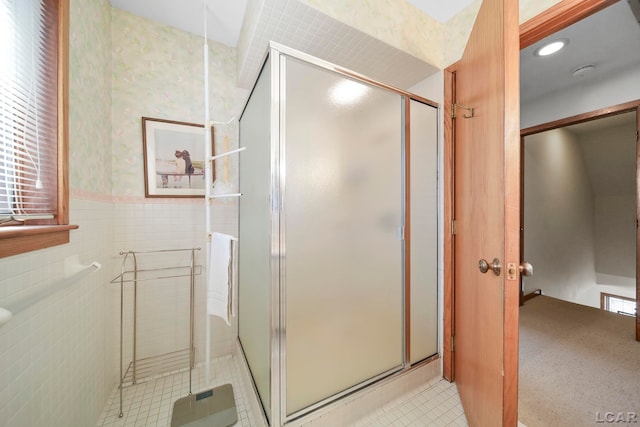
(551, 48)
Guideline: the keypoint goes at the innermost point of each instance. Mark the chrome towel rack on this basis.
(140, 368)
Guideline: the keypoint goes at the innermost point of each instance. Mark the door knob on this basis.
(526, 269)
(495, 266)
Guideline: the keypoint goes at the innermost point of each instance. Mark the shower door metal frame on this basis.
(278, 54)
(278, 399)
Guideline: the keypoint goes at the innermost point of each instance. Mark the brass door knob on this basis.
(526, 269)
(495, 266)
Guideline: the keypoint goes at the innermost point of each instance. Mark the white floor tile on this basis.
(150, 403)
(432, 405)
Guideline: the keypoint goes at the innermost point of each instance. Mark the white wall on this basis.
(615, 241)
(614, 248)
(610, 155)
(558, 217)
(587, 96)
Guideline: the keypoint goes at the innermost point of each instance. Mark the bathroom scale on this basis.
(212, 408)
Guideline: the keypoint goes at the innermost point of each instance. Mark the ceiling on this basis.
(225, 16)
(609, 40)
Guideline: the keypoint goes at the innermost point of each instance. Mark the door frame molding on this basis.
(448, 215)
(559, 16)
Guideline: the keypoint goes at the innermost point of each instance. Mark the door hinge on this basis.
(453, 343)
(470, 114)
(453, 227)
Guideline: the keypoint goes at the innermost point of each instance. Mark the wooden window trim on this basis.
(21, 239)
(604, 295)
(25, 238)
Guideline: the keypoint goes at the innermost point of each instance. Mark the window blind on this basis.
(28, 109)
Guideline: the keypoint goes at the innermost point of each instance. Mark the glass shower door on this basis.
(254, 290)
(342, 213)
(423, 272)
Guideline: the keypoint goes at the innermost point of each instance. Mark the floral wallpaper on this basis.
(457, 31)
(407, 28)
(90, 96)
(531, 8)
(158, 72)
(123, 67)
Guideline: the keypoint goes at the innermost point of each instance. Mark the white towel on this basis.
(220, 280)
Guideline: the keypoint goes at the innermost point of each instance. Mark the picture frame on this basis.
(174, 158)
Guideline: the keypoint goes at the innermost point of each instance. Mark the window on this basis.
(33, 129)
(618, 304)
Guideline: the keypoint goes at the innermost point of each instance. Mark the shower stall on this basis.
(338, 240)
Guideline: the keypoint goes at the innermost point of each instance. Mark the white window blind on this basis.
(620, 305)
(28, 109)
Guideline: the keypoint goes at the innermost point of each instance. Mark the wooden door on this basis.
(486, 208)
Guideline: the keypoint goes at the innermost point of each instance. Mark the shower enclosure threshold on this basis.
(349, 409)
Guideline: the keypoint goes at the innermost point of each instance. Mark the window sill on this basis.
(25, 238)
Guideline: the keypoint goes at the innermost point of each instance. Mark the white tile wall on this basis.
(56, 357)
(59, 359)
(163, 305)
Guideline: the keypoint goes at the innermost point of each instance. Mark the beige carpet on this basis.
(577, 364)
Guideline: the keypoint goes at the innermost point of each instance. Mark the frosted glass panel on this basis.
(342, 212)
(424, 231)
(254, 243)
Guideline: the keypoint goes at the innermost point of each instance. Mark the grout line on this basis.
(150, 403)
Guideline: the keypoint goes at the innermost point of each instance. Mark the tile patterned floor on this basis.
(150, 403)
(433, 405)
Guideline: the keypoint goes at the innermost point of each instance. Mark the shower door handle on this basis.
(495, 266)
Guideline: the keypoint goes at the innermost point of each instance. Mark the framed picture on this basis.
(174, 158)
